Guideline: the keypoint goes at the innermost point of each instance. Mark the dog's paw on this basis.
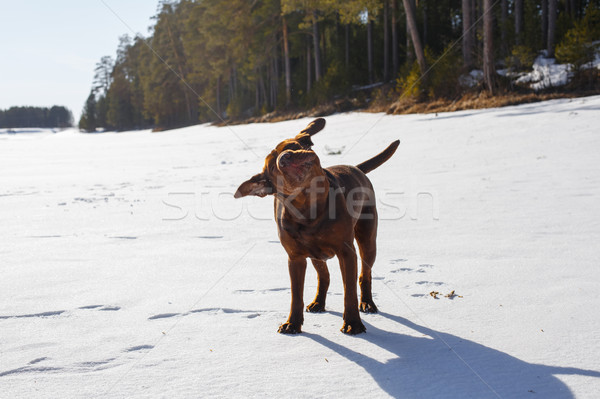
(316, 307)
(290, 328)
(353, 328)
(368, 307)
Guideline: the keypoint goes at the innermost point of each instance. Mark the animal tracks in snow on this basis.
(430, 283)
(46, 364)
(422, 268)
(95, 365)
(110, 308)
(32, 315)
(412, 276)
(38, 365)
(164, 316)
(40, 359)
(139, 348)
(29, 369)
(105, 308)
(266, 291)
(53, 313)
(250, 314)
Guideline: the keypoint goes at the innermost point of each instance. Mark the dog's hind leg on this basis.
(318, 305)
(352, 323)
(366, 235)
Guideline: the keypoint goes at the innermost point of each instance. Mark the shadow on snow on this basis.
(425, 367)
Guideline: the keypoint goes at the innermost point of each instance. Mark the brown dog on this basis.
(319, 214)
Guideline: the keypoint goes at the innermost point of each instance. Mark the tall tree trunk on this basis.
(370, 49)
(477, 28)
(323, 52)
(409, 52)
(411, 22)
(180, 62)
(317, 47)
(274, 80)
(386, 43)
(551, 27)
(336, 37)
(425, 27)
(570, 8)
(288, 71)
(489, 71)
(218, 93)
(263, 88)
(235, 80)
(503, 22)
(467, 40)
(230, 88)
(478, 16)
(347, 45)
(308, 67)
(518, 20)
(257, 94)
(394, 40)
(544, 23)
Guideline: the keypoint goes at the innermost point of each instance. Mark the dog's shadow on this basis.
(440, 365)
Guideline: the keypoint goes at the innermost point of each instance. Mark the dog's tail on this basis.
(379, 159)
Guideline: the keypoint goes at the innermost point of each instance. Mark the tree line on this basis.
(208, 60)
(19, 117)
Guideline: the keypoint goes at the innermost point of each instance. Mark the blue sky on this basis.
(48, 48)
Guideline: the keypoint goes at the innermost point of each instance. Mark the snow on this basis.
(471, 79)
(129, 271)
(546, 73)
(27, 130)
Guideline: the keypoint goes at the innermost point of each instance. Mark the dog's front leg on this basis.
(348, 264)
(297, 269)
(318, 305)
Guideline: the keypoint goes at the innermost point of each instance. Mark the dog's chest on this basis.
(306, 241)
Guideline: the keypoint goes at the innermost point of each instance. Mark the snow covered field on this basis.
(129, 271)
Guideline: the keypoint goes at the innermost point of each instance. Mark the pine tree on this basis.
(88, 116)
(489, 71)
(210, 59)
(103, 75)
(468, 34)
(411, 23)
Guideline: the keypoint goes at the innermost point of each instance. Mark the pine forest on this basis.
(217, 61)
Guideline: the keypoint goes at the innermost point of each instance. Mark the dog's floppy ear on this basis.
(258, 185)
(304, 140)
(314, 127)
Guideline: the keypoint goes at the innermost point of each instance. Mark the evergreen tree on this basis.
(16, 117)
(210, 60)
(103, 75)
(489, 70)
(88, 121)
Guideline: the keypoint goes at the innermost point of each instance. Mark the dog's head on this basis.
(288, 167)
